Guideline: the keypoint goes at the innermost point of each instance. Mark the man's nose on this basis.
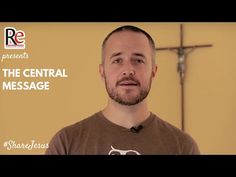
(128, 72)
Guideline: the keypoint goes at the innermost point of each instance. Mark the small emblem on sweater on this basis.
(115, 151)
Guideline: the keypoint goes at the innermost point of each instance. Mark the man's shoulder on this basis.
(164, 125)
(183, 138)
(82, 124)
(61, 141)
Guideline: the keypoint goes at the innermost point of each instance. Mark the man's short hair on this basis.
(133, 29)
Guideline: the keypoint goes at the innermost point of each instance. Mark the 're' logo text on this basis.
(14, 39)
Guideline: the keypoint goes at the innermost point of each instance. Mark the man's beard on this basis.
(113, 93)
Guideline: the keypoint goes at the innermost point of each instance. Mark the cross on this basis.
(182, 51)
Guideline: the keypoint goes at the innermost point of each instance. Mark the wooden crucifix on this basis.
(182, 51)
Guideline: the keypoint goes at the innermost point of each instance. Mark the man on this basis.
(125, 125)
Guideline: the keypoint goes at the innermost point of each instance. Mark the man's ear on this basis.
(101, 71)
(154, 71)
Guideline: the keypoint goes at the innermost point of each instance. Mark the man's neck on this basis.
(126, 116)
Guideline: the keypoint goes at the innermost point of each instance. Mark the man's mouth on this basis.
(128, 83)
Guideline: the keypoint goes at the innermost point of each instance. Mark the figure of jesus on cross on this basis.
(182, 51)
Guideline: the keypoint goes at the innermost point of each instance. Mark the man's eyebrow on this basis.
(115, 54)
(139, 54)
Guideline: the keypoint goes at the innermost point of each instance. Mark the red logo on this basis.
(14, 39)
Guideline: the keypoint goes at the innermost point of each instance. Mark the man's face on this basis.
(128, 69)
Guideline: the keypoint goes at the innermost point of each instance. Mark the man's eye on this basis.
(117, 61)
(139, 61)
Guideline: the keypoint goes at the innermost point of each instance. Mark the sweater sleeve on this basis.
(58, 144)
(189, 146)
